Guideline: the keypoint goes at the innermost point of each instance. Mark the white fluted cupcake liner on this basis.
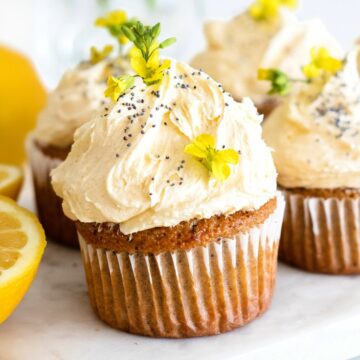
(321, 234)
(202, 291)
(57, 226)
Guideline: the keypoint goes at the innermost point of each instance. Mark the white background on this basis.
(57, 33)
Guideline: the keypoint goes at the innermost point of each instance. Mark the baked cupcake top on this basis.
(236, 49)
(78, 97)
(315, 133)
(129, 166)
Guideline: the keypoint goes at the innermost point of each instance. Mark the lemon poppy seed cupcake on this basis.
(173, 193)
(315, 135)
(259, 38)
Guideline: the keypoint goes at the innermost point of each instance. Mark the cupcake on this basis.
(261, 37)
(78, 97)
(315, 135)
(173, 193)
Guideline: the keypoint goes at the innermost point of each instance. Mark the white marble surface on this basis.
(312, 317)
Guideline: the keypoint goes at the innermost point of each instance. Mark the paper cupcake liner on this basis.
(202, 291)
(57, 226)
(267, 106)
(321, 234)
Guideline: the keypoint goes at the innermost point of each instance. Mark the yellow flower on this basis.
(216, 161)
(321, 64)
(291, 4)
(122, 39)
(117, 86)
(264, 74)
(114, 21)
(269, 9)
(151, 71)
(113, 18)
(99, 55)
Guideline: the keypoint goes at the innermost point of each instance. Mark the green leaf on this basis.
(127, 80)
(155, 31)
(128, 33)
(140, 46)
(166, 43)
(140, 28)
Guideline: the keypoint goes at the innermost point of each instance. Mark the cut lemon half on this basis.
(11, 179)
(22, 243)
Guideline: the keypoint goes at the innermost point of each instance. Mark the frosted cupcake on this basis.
(78, 97)
(173, 192)
(315, 135)
(262, 37)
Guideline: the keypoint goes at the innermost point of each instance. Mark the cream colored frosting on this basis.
(237, 49)
(316, 132)
(129, 166)
(78, 97)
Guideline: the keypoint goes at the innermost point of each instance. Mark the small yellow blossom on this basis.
(216, 161)
(264, 74)
(321, 64)
(114, 22)
(269, 9)
(99, 55)
(291, 4)
(151, 71)
(117, 86)
(113, 18)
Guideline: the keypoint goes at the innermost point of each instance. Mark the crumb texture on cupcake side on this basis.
(183, 236)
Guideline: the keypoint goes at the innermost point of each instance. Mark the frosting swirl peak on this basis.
(78, 97)
(238, 48)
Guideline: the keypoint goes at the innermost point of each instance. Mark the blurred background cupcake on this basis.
(266, 35)
(315, 135)
(178, 225)
(77, 99)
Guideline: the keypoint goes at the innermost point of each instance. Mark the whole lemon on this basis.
(22, 96)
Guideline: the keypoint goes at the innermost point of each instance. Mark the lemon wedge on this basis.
(11, 179)
(22, 243)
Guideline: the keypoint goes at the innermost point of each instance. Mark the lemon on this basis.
(11, 179)
(21, 98)
(22, 243)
